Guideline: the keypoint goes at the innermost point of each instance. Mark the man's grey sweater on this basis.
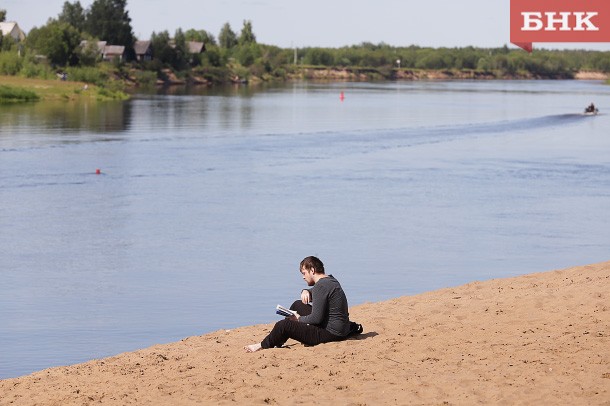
(329, 307)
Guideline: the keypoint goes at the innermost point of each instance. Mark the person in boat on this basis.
(321, 314)
(590, 108)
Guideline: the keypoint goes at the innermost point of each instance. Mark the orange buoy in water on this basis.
(342, 96)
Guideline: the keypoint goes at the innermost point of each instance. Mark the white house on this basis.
(12, 28)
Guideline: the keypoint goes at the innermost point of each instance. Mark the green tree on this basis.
(88, 54)
(200, 36)
(247, 37)
(227, 38)
(501, 63)
(73, 14)
(163, 51)
(248, 54)
(483, 64)
(109, 21)
(6, 42)
(10, 63)
(318, 56)
(430, 59)
(601, 62)
(181, 52)
(213, 57)
(58, 41)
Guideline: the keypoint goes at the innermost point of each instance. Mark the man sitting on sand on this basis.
(322, 313)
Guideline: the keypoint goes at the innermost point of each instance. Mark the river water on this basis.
(207, 201)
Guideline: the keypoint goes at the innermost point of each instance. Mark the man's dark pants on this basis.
(304, 333)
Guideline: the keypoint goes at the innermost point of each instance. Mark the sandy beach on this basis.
(536, 339)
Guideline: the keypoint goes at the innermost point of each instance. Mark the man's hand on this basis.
(295, 317)
(305, 296)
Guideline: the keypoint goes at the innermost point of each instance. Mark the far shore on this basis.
(534, 339)
(354, 74)
(422, 74)
(66, 90)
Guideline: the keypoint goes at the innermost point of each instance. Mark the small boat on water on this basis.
(591, 110)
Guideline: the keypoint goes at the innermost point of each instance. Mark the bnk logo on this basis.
(559, 21)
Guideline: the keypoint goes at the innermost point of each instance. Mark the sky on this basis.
(316, 23)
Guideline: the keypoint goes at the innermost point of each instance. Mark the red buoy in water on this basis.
(342, 96)
(98, 172)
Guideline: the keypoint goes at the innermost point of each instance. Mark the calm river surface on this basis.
(206, 203)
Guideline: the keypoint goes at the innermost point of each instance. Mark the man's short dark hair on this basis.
(312, 263)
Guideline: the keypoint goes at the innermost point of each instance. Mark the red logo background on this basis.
(524, 39)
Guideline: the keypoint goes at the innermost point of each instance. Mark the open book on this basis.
(282, 311)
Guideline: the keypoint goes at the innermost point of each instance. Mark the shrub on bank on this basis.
(216, 75)
(145, 78)
(10, 63)
(88, 74)
(107, 94)
(14, 94)
(33, 68)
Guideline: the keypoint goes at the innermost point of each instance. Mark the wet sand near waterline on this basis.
(542, 338)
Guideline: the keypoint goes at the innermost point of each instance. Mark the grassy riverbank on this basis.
(20, 89)
(15, 95)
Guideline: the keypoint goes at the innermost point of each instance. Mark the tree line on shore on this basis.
(58, 46)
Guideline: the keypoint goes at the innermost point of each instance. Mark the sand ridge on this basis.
(536, 339)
